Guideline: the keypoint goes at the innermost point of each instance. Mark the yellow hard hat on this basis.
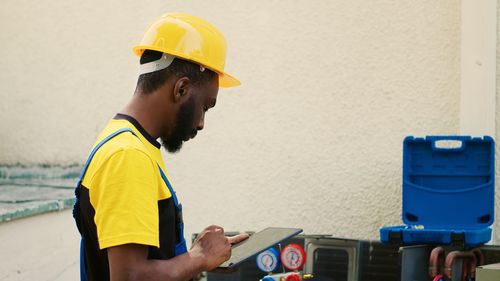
(190, 38)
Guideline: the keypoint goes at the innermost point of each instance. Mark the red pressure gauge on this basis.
(293, 277)
(293, 257)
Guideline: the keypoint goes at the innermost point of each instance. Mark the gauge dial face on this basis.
(293, 257)
(268, 261)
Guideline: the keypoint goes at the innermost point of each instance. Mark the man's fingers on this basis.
(215, 228)
(237, 238)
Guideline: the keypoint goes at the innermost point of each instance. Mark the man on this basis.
(126, 210)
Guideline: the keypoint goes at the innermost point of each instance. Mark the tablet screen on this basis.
(257, 243)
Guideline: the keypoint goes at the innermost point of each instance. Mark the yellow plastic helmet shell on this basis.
(190, 38)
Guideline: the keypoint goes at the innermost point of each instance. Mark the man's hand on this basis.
(129, 262)
(213, 247)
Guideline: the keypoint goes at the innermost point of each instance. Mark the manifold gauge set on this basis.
(283, 265)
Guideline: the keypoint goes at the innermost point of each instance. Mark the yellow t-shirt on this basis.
(125, 186)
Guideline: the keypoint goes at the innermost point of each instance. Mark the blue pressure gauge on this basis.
(269, 260)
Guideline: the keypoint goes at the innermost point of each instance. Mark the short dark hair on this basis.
(149, 82)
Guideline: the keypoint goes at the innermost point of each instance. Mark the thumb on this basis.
(237, 238)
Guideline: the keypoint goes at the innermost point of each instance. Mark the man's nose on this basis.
(202, 122)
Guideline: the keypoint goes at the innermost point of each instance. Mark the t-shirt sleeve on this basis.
(124, 197)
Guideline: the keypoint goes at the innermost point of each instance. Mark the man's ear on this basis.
(182, 89)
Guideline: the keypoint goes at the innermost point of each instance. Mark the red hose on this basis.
(438, 277)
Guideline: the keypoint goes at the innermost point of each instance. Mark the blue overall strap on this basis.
(76, 207)
(167, 182)
(181, 247)
(83, 269)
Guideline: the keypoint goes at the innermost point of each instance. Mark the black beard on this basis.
(183, 128)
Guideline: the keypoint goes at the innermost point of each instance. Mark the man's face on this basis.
(191, 115)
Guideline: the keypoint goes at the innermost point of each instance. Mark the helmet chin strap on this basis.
(162, 63)
(156, 65)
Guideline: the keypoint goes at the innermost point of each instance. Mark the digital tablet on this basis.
(257, 243)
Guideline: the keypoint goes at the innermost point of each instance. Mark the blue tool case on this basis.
(448, 191)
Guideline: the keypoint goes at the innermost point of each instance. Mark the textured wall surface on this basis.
(41, 248)
(311, 139)
(496, 227)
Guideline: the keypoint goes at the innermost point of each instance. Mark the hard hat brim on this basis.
(228, 81)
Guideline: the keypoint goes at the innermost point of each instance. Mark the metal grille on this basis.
(379, 262)
(330, 264)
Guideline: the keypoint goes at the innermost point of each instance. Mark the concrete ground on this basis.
(43, 247)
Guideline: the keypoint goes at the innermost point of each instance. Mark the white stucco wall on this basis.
(496, 238)
(42, 248)
(311, 139)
